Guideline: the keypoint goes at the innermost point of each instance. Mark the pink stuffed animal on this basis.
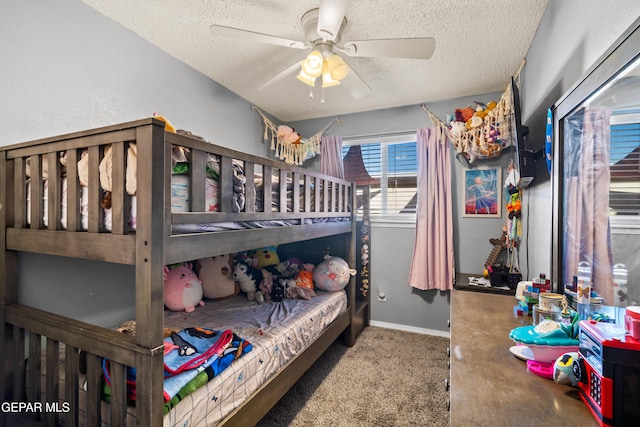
(182, 288)
(288, 135)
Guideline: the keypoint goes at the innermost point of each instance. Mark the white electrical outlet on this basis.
(382, 294)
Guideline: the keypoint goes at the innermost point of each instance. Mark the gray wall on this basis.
(570, 39)
(66, 68)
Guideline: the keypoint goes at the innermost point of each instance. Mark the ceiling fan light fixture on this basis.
(327, 80)
(306, 79)
(337, 67)
(312, 65)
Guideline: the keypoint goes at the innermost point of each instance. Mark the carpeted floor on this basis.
(388, 378)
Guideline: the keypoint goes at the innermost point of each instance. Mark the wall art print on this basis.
(482, 192)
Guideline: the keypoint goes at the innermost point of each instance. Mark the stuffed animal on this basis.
(248, 277)
(217, 277)
(288, 135)
(167, 124)
(290, 267)
(279, 289)
(182, 288)
(293, 291)
(332, 274)
(464, 114)
(266, 256)
(304, 279)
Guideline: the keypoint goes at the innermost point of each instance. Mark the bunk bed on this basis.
(276, 204)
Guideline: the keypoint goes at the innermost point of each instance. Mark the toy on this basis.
(249, 277)
(182, 288)
(290, 267)
(167, 124)
(464, 114)
(293, 291)
(304, 279)
(288, 135)
(217, 277)
(332, 274)
(279, 289)
(563, 369)
(266, 256)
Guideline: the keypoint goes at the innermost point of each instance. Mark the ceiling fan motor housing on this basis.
(313, 33)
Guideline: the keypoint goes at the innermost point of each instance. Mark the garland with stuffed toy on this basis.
(288, 145)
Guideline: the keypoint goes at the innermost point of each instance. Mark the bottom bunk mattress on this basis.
(277, 332)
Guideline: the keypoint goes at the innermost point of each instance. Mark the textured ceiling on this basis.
(479, 45)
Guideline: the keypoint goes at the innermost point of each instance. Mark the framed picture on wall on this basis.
(482, 192)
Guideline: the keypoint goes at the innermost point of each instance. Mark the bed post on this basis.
(150, 240)
(359, 292)
(351, 333)
(8, 278)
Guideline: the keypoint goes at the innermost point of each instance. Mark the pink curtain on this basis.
(331, 156)
(587, 233)
(432, 266)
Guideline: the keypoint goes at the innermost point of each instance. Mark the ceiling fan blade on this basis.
(293, 68)
(221, 30)
(354, 84)
(330, 18)
(416, 48)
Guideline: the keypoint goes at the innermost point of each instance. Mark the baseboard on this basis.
(407, 328)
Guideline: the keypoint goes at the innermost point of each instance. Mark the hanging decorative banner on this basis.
(287, 144)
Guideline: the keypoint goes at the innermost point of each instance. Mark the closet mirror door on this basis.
(598, 187)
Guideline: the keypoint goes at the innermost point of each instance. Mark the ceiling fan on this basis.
(323, 28)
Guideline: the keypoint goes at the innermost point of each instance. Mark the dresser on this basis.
(491, 387)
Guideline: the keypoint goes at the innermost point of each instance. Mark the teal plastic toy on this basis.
(527, 335)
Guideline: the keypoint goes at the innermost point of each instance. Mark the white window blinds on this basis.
(624, 190)
(390, 168)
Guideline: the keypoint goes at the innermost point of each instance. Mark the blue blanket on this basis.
(187, 353)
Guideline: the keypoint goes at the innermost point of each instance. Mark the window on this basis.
(624, 161)
(389, 166)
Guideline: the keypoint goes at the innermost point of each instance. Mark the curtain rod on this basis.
(380, 134)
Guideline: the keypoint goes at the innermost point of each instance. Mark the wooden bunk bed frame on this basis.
(151, 246)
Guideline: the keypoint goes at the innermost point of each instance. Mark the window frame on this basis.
(393, 219)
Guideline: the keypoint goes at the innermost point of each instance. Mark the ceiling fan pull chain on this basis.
(311, 92)
(322, 100)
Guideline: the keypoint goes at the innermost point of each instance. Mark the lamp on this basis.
(306, 79)
(327, 80)
(337, 67)
(333, 69)
(311, 68)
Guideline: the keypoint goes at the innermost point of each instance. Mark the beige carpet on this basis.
(388, 378)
